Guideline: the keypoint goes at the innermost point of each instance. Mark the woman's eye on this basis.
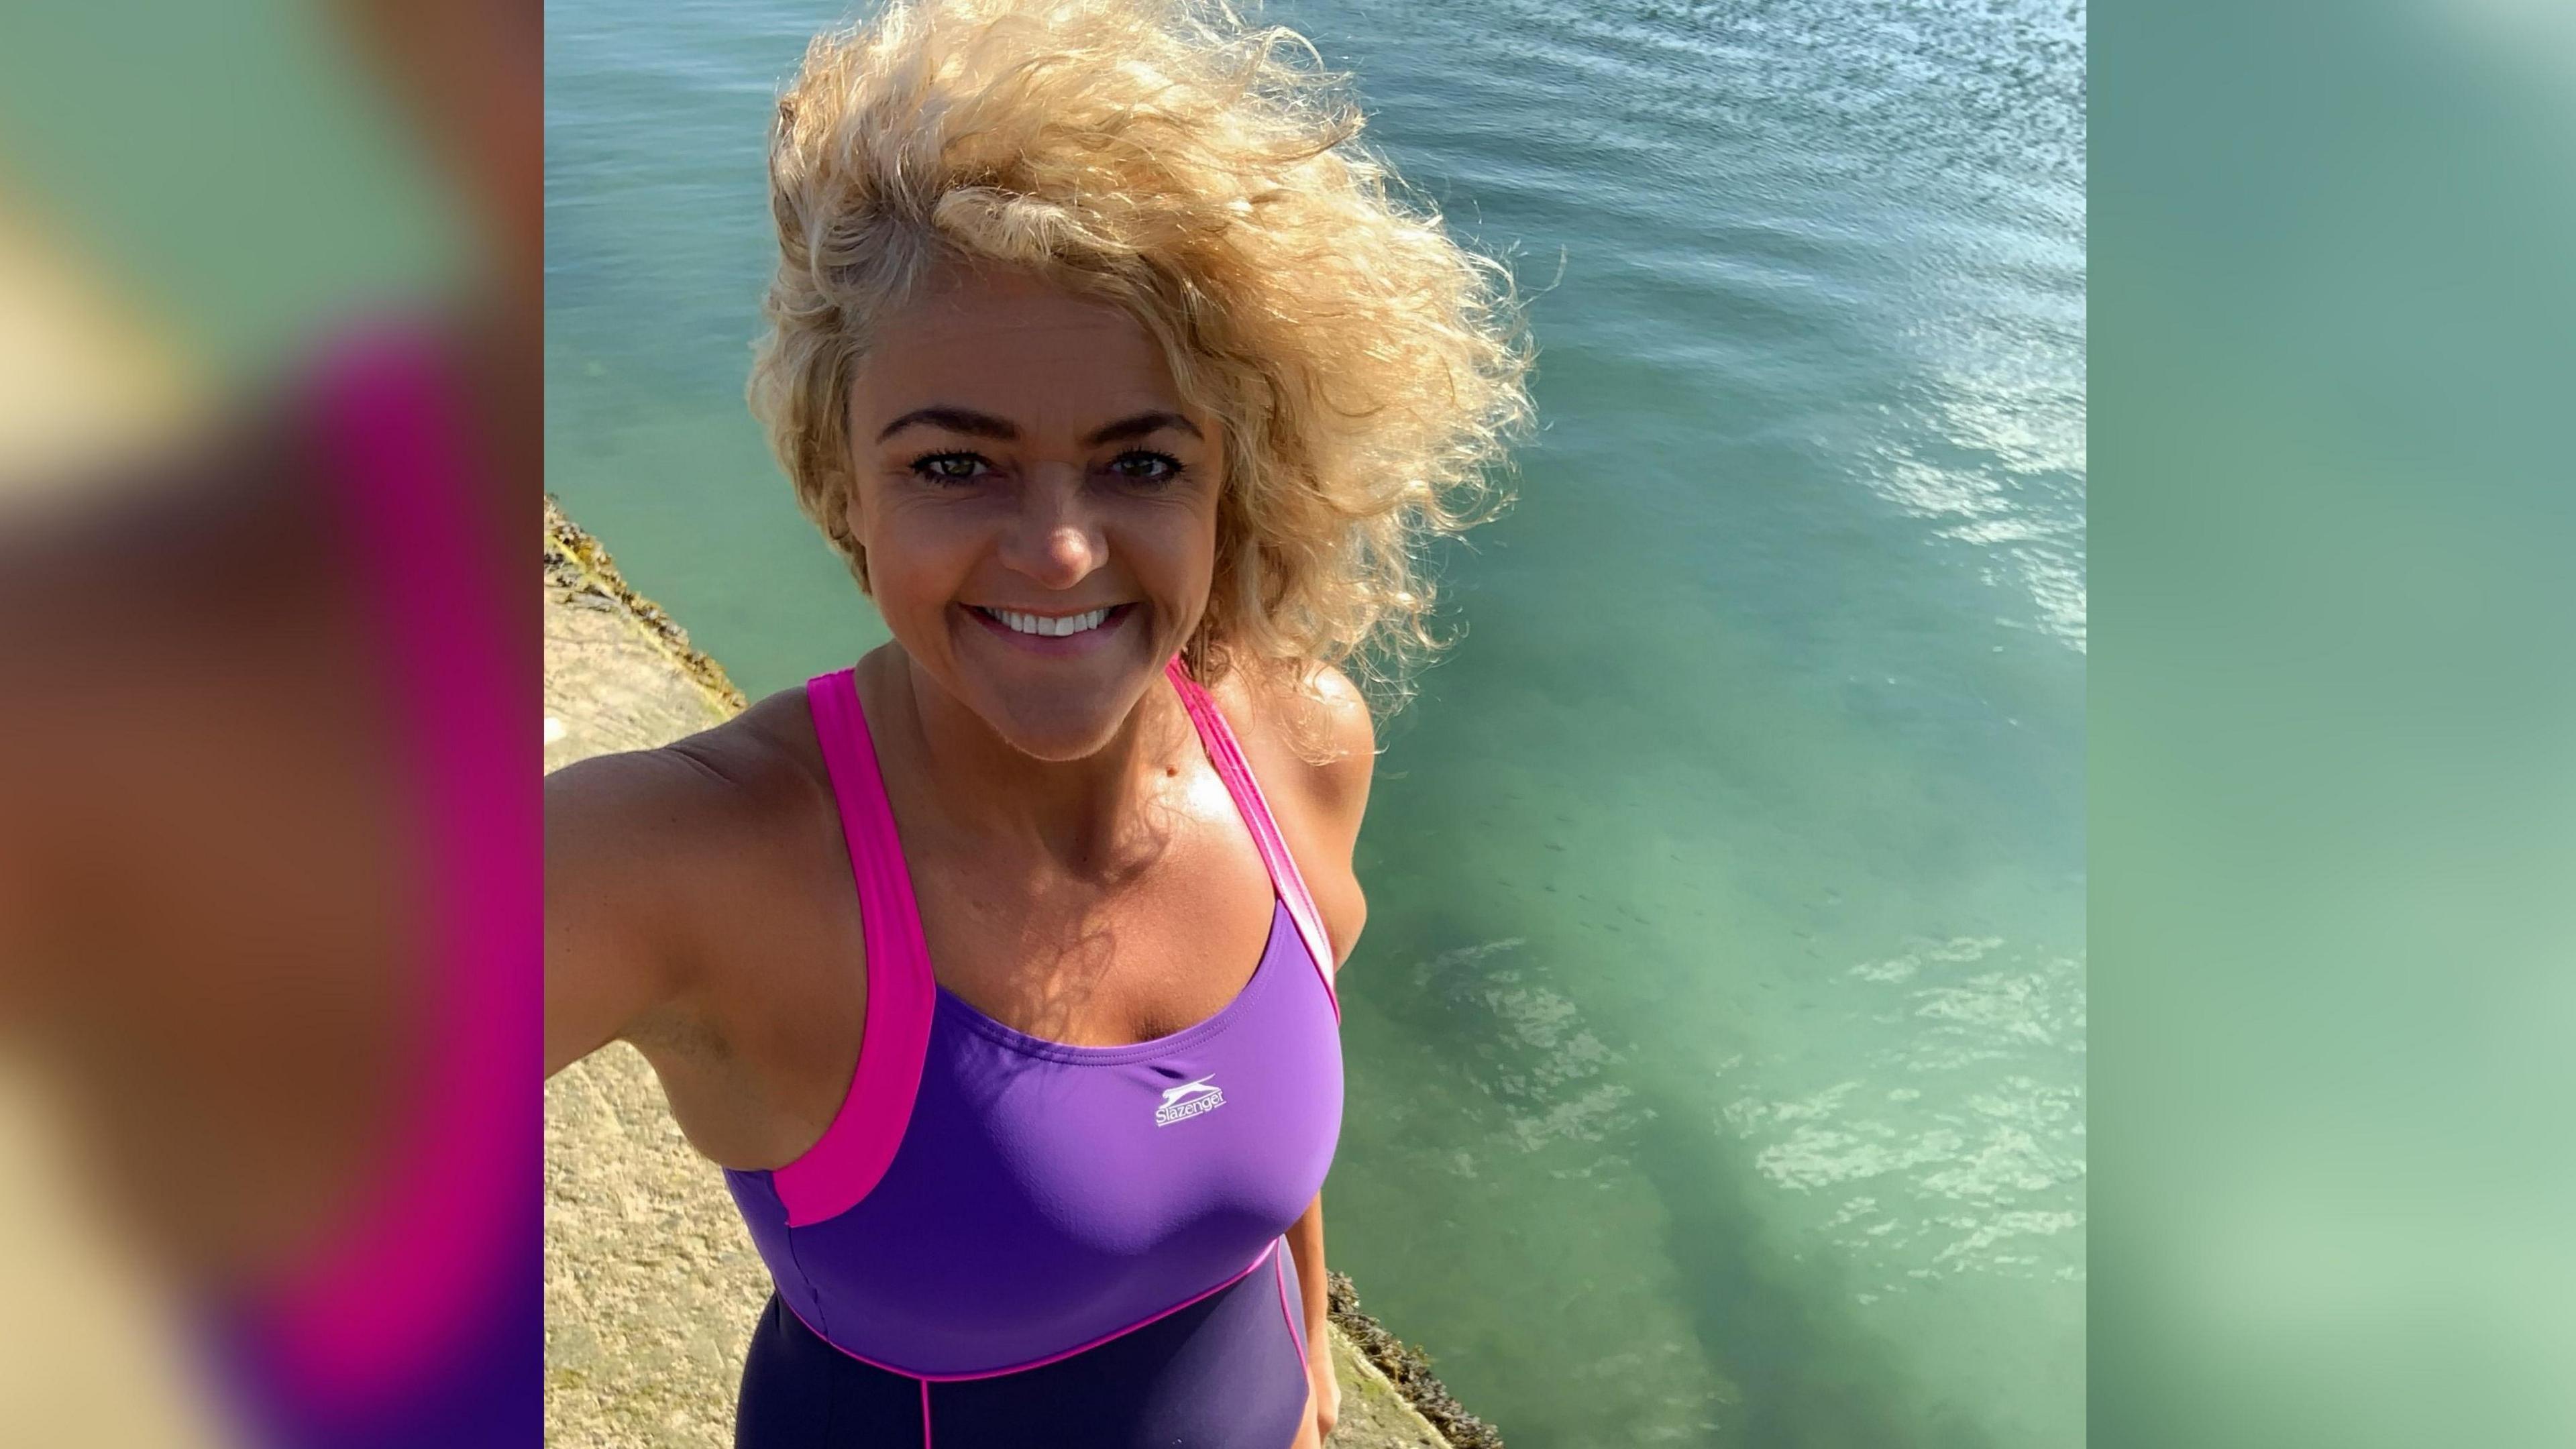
(949, 467)
(1145, 467)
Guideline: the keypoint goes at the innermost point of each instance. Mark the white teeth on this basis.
(1050, 628)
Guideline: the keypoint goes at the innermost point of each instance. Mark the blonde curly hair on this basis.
(1206, 177)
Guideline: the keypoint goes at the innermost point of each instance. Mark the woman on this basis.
(998, 969)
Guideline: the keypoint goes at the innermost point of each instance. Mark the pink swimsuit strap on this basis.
(902, 994)
(1255, 809)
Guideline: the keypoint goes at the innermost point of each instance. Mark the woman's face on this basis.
(1037, 505)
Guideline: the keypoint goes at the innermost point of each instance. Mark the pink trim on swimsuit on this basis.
(860, 1144)
(927, 1379)
(1255, 809)
(1295, 1335)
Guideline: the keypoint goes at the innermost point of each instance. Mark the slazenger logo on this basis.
(1188, 1100)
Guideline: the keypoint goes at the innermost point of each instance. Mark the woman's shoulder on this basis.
(766, 753)
(1310, 729)
(658, 862)
(709, 794)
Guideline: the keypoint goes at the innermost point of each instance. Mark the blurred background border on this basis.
(2333, 754)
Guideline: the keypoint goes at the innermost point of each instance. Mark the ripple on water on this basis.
(1959, 1145)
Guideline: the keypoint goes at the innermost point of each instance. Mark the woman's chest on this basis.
(1109, 960)
(1231, 1119)
(1043, 1194)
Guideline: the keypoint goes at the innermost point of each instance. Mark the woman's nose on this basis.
(1053, 539)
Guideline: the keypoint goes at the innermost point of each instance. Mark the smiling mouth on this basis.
(1054, 626)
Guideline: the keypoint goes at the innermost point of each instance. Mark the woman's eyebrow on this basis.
(985, 425)
(1138, 426)
(955, 420)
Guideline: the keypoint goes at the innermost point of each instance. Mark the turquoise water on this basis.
(1716, 1048)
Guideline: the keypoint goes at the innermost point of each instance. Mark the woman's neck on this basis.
(1087, 816)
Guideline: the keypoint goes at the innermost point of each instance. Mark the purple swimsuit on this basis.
(1006, 1240)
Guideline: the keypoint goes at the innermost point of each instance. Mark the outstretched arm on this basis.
(619, 833)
